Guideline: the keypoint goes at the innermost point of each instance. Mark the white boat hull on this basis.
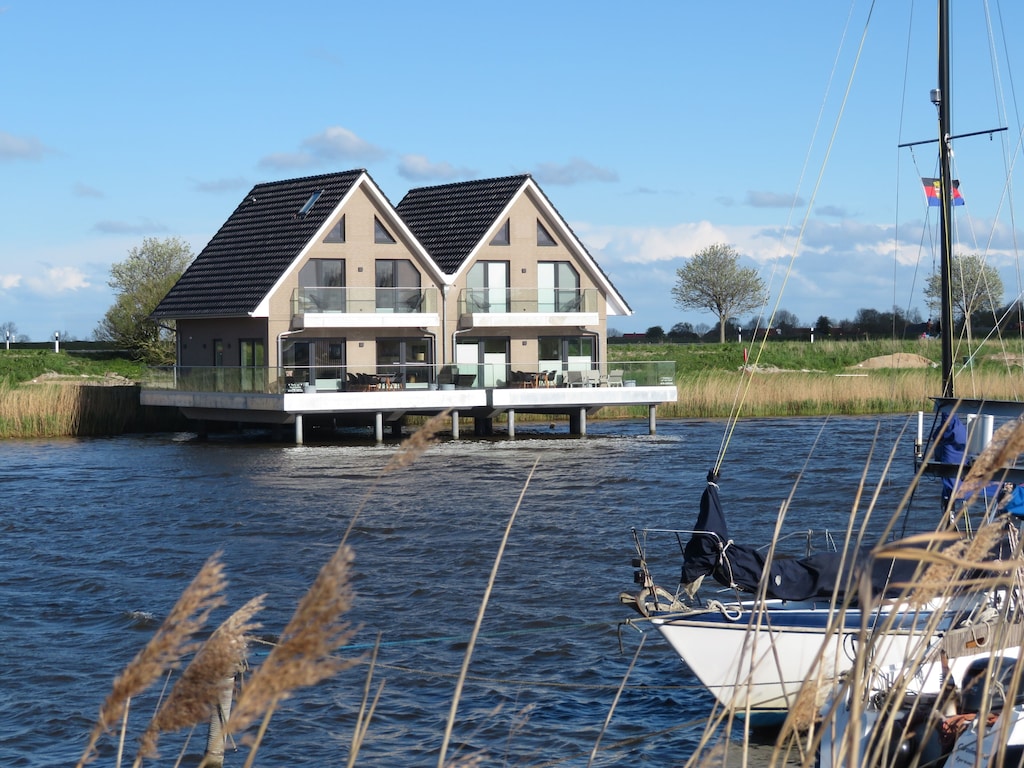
(755, 663)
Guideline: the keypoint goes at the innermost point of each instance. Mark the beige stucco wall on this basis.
(360, 253)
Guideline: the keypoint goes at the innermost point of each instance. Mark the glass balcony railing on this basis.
(406, 376)
(363, 299)
(511, 300)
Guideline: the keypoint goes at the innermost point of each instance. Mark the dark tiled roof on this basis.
(239, 266)
(450, 220)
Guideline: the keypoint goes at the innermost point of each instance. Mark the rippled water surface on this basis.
(101, 536)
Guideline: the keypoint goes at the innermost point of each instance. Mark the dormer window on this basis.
(309, 203)
(501, 236)
(380, 234)
(543, 236)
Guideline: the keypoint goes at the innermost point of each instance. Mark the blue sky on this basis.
(656, 129)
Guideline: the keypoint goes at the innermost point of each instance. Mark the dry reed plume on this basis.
(172, 641)
(196, 695)
(420, 440)
(303, 656)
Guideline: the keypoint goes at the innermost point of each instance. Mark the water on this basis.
(101, 536)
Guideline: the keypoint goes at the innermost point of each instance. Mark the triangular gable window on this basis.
(309, 203)
(337, 233)
(381, 235)
(501, 236)
(543, 236)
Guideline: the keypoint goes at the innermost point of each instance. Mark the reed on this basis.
(67, 410)
(172, 641)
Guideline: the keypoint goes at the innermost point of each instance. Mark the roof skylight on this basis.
(309, 203)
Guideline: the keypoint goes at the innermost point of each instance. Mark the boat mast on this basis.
(941, 99)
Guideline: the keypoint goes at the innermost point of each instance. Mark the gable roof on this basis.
(258, 242)
(450, 220)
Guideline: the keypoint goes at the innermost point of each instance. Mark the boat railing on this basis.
(810, 537)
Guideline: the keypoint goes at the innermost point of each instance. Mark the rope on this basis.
(734, 418)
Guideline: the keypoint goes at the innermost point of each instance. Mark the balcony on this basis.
(545, 375)
(528, 307)
(363, 307)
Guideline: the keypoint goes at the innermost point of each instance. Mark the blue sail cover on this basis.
(710, 552)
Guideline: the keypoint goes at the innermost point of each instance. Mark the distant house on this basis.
(311, 280)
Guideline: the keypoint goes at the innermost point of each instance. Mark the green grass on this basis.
(826, 356)
(19, 366)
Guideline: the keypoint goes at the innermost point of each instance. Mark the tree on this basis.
(713, 280)
(823, 326)
(974, 285)
(139, 283)
(655, 333)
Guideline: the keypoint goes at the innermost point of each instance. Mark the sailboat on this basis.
(785, 629)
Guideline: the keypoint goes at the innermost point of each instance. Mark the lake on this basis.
(100, 537)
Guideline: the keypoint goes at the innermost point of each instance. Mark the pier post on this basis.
(298, 429)
(578, 422)
(455, 425)
(652, 419)
(511, 422)
(378, 427)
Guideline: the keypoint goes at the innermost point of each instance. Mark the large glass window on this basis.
(411, 359)
(323, 285)
(253, 364)
(398, 286)
(483, 362)
(487, 287)
(558, 287)
(308, 360)
(567, 353)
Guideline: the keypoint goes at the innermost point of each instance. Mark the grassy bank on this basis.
(43, 394)
(802, 379)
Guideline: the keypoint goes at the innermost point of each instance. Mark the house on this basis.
(322, 276)
(319, 299)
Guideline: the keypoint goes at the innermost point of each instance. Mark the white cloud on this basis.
(337, 143)
(757, 199)
(58, 280)
(9, 281)
(331, 145)
(21, 147)
(576, 171)
(419, 168)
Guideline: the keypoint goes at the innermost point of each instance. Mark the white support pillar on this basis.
(583, 421)
(455, 425)
(511, 422)
(298, 429)
(378, 427)
(652, 419)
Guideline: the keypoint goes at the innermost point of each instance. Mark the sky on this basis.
(656, 129)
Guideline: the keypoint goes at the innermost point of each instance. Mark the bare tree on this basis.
(714, 280)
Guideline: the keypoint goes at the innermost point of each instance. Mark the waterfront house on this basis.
(320, 284)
